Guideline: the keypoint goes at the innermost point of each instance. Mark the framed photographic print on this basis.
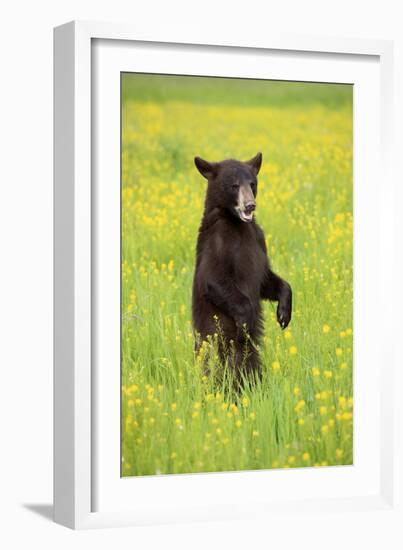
(222, 232)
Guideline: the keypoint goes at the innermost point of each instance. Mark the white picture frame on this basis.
(87, 491)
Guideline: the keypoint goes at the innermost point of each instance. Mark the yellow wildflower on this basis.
(342, 401)
(346, 416)
(275, 365)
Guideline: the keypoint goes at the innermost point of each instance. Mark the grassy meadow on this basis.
(174, 420)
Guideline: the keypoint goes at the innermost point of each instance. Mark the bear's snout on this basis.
(250, 207)
(246, 203)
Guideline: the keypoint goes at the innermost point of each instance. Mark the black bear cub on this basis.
(233, 273)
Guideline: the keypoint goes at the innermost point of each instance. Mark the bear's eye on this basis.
(235, 186)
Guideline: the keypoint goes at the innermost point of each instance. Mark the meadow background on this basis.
(174, 420)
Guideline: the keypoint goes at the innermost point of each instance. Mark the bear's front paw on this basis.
(284, 315)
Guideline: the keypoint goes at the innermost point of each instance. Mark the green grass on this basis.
(173, 419)
(227, 91)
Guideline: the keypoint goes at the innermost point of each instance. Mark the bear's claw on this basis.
(283, 317)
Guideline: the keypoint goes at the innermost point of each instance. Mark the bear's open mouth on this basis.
(245, 216)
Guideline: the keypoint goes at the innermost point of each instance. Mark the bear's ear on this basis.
(255, 163)
(206, 169)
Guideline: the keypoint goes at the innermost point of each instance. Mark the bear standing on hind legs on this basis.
(232, 273)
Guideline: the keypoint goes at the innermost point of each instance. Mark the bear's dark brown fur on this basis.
(232, 273)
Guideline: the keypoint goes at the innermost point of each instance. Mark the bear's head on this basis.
(232, 185)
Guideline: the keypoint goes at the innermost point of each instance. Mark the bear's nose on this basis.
(250, 207)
